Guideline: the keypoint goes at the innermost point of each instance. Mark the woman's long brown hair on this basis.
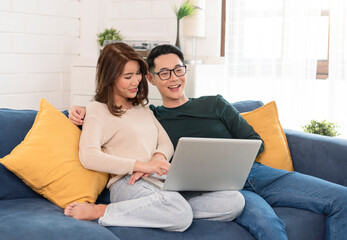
(110, 67)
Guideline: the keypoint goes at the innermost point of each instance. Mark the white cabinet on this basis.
(83, 75)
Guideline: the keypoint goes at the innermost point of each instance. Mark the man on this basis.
(265, 186)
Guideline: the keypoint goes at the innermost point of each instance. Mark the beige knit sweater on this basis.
(136, 135)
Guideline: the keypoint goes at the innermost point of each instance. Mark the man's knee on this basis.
(180, 213)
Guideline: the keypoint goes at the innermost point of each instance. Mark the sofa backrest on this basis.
(247, 106)
(14, 125)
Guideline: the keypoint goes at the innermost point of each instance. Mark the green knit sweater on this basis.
(208, 116)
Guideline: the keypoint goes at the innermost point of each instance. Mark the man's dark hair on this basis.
(162, 50)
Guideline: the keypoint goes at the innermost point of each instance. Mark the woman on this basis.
(134, 144)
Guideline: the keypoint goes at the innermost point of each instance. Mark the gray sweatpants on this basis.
(143, 205)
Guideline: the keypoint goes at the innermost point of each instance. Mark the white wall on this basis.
(39, 40)
(147, 20)
(156, 20)
(139, 20)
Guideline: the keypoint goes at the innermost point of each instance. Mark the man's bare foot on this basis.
(85, 211)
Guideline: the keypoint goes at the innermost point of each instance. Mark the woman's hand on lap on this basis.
(136, 176)
(158, 164)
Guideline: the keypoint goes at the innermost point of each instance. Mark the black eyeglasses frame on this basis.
(172, 70)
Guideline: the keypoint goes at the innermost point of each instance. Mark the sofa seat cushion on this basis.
(41, 220)
(200, 229)
(300, 225)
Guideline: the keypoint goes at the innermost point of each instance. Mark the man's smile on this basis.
(174, 87)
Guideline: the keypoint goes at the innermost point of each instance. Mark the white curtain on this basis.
(338, 64)
(272, 52)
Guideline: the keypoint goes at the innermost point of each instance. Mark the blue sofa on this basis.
(25, 214)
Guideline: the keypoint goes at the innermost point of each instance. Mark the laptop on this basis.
(208, 164)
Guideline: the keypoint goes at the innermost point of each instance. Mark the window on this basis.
(274, 30)
(323, 64)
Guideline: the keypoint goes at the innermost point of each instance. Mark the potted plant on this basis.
(186, 9)
(109, 34)
(323, 128)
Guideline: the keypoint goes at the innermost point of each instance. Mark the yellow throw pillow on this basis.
(265, 122)
(47, 160)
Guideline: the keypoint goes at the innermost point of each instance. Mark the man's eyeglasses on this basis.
(166, 74)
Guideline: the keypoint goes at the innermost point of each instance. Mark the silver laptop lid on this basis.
(211, 164)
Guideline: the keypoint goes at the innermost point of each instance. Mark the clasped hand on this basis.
(158, 164)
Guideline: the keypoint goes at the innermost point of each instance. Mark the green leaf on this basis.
(186, 9)
(109, 34)
(323, 128)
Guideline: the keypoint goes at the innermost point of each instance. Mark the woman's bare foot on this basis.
(85, 211)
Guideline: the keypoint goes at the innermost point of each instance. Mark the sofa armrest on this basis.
(319, 156)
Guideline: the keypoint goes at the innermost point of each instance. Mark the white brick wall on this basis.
(5, 4)
(39, 40)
